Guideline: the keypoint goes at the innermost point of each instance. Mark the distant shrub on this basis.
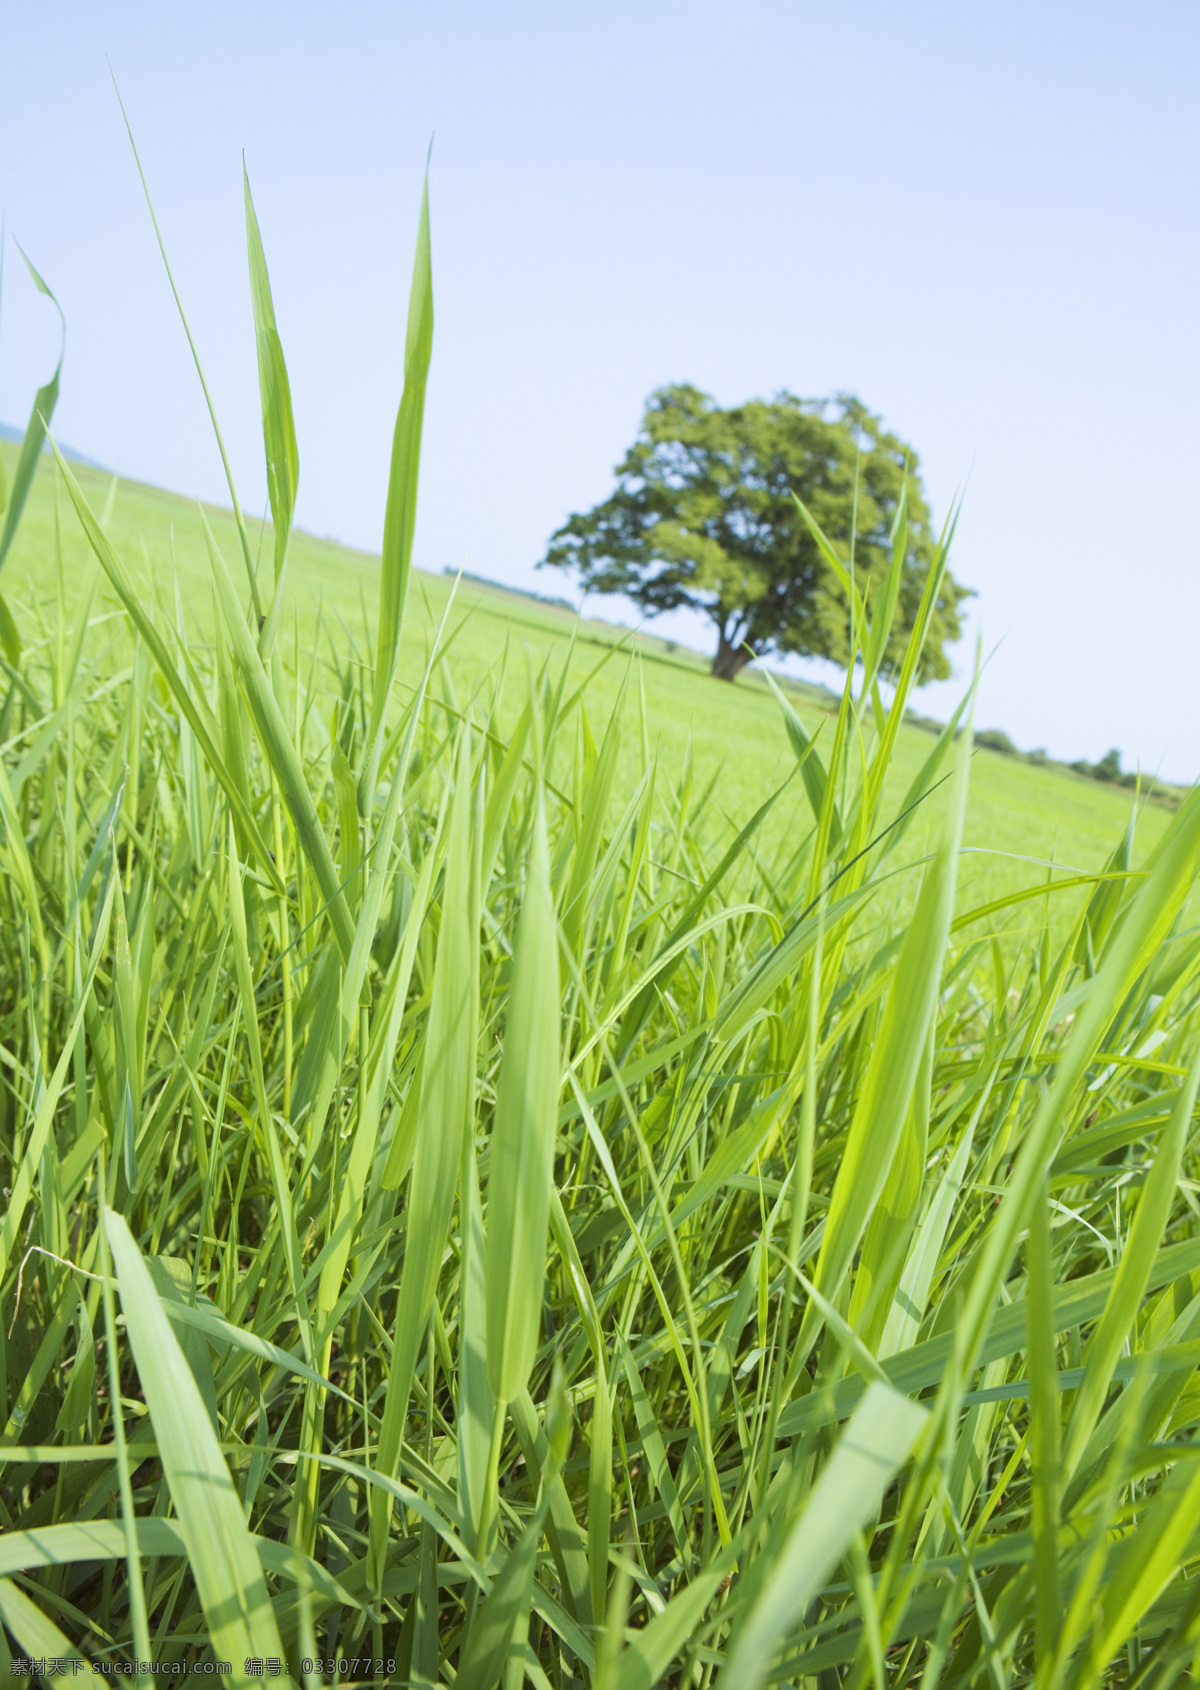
(1107, 769)
(1039, 756)
(994, 739)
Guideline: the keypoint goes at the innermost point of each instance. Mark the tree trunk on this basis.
(730, 660)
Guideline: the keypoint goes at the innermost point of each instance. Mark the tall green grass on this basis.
(470, 1213)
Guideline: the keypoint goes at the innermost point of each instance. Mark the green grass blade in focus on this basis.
(444, 1113)
(280, 751)
(35, 432)
(400, 517)
(523, 1135)
(12, 500)
(279, 430)
(876, 1441)
(1116, 1327)
(226, 1568)
(198, 716)
(891, 1075)
(1044, 1434)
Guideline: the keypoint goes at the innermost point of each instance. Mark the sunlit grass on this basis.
(485, 1198)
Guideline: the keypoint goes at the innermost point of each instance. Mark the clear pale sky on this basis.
(980, 218)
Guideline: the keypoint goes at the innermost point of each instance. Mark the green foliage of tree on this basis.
(704, 517)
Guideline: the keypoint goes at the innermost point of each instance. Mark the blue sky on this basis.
(981, 218)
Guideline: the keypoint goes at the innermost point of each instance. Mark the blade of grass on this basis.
(22, 1186)
(522, 1162)
(446, 1104)
(35, 435)
(400, 517)
(198, 716)
(878, 1439)
(133, 1567)
(1117, 1323)
(891, 1076)
(222, 1557)
(281, 753)
(279, 430)
(251, 572)
(884, 611)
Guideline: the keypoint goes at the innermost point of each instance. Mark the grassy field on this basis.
(738, 744)
(522, 1164)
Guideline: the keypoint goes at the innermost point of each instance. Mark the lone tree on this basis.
(704, 517)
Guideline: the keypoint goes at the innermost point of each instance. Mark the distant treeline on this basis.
(1107, 770)
(521, 592)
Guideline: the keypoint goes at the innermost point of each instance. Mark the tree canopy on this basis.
(704, 517)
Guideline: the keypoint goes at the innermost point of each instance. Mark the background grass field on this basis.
(1017, 810)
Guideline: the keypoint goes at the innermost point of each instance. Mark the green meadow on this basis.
(522, 1162)
(738, 746)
